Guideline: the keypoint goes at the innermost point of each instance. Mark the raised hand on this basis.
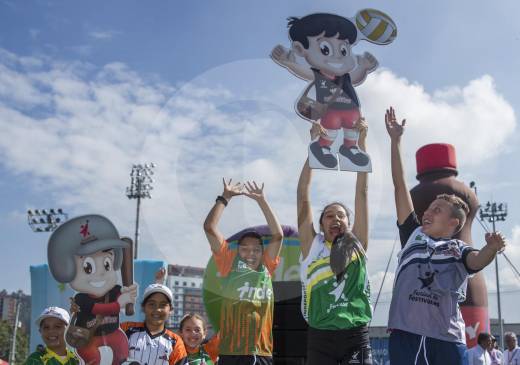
(160, 275)
(317, 131)
(253, 191)
(74, 307)
(128, 295)
(282, 55)
(362, 127)
(230, 190)
(368, 61)
(496, 241)
(393, 127)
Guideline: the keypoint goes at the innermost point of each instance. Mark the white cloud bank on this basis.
(79, 128)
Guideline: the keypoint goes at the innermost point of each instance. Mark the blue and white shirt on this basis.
(430, 281)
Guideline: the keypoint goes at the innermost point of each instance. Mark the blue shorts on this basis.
(410, 349)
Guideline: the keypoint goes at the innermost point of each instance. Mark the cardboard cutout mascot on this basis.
(325, 41)
(87, 252)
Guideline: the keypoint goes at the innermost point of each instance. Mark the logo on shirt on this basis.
(247, 292)
(339, 297)
(338, 290)
(428, 278)
(425, 296)
(448, 249)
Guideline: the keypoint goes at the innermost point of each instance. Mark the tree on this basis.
(22, 343)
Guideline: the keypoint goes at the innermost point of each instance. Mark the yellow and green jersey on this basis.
(49, 357)
(331, 304)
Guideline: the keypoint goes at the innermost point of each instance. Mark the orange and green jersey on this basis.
(246, 317)
(205, 354)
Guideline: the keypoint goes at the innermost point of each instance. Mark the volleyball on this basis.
(376, 26)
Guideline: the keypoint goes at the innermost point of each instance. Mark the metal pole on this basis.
(12, 355)
(137, 226)
(498, 287)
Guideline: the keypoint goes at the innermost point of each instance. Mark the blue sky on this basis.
(88, 88)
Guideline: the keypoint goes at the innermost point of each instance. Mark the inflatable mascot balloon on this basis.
(325, 42)
(436, 172)
(86, 252)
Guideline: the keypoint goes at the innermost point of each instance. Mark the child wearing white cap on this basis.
(150, 342)
(52, 324)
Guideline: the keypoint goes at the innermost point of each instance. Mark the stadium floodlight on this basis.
(45, 220)
(140, 187)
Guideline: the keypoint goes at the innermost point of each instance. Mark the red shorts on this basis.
(337, 118)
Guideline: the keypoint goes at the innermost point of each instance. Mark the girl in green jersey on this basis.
(336, 294)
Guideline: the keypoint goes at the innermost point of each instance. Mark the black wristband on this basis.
(221, 199)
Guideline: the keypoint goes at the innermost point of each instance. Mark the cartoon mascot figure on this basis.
(324, 41)
(87, 252)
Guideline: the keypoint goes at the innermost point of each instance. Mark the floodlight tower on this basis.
(140, 187)
(43, 220)
(496, 212)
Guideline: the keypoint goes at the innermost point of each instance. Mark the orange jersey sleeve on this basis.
(211, 347)
(271, 264)
(178, 355)
(126, 325)
(224, 259)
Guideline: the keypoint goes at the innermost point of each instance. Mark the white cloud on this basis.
(93, 123)
(103, 34)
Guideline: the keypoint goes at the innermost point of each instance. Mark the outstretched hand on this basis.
(496, 241)
(393, 127)
(368, 61)
(230, 190)
(254, 191)
(282, 55)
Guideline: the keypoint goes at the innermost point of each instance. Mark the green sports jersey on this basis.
(200, 357)
(48, 357)
(327, 303)
(246, 311)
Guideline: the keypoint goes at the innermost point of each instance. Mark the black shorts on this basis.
(244, 360)
(332, 347)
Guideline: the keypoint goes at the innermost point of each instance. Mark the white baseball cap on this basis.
(158, 288)
(54, 312)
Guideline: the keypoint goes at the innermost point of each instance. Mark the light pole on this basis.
(494, 212)
(12, 355)
(140, 187)
(43, 220)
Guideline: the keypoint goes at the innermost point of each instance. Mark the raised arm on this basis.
(403, 199)
(285, 58)
(477, 260)
(306, 230)
(215, 237)
(360, 227)
(256, 193)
